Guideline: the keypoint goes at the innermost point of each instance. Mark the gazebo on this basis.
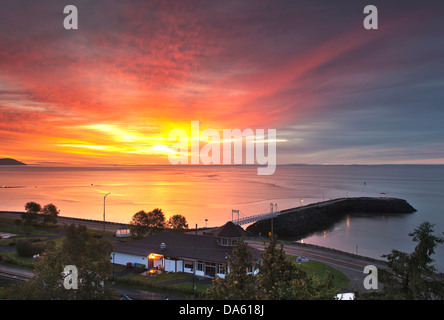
(123, 232)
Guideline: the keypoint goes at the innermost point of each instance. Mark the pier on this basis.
(274, 212)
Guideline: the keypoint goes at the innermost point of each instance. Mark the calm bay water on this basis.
(205, 192)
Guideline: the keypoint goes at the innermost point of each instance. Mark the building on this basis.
(123, 232)
(203, 255)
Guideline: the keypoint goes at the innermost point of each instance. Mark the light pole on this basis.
(114, 254)
(104, 198)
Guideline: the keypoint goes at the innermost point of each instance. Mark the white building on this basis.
(123, 232)
(203, 255)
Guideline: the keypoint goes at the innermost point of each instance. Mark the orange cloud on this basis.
(111, 92)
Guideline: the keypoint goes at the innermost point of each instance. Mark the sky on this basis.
(112, 90)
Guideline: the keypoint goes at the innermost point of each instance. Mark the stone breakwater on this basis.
(300, 222)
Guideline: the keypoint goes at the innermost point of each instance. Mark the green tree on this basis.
(306, 287)
(279, 278)
(156, 219)
(177, 222)
(27, 248)
(32, 210)
(139, 224)
(91, 257)
(50, 213)
(412, 275)
(145, 223)
(238, 283)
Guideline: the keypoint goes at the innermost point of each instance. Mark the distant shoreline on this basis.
(11, 162)
(67, 165)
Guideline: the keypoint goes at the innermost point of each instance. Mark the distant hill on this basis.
(11, 162)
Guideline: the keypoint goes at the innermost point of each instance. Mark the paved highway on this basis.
(351, 266)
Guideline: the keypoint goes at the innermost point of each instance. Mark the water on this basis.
(205, 192)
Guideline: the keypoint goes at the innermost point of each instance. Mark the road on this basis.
(351, 266)
(15, 273)
(19, 274)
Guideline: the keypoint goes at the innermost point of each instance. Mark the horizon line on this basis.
(223, 165)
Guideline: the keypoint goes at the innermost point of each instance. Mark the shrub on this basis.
(26, 248)
(139, 268)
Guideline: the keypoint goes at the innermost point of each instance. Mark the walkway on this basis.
(273, 214)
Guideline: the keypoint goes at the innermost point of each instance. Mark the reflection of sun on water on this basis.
(348, 226)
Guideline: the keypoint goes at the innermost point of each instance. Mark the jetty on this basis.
(296, 223)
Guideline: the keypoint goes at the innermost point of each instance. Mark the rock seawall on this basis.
(298, 223)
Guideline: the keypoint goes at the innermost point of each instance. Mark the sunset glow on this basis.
(111, 91)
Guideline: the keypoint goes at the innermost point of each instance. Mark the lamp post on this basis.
(114, 257)
(104, 198)
(194, 274)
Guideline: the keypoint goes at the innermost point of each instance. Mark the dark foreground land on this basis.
(300, 222)
(289, 224)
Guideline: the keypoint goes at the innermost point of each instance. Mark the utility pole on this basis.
(272, 214)
(234, 211)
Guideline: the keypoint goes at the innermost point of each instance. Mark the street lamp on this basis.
(104, 210)
(114, 262)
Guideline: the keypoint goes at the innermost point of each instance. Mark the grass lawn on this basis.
(8, 226)
(42, 232)
(13, 259)
(182, 282)
(320, 270)
(8, 255)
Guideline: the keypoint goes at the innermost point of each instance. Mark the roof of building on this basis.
(181, 245)
(230, 230)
